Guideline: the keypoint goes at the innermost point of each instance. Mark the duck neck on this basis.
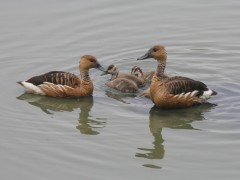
(85, 75)
(115, 75)
(160, 69)
(139, 74)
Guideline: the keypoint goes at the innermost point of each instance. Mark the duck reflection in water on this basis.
(126, 98)
(174, 119)
(87, 124)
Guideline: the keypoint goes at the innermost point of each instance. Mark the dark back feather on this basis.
(56, 77)
(177, 85)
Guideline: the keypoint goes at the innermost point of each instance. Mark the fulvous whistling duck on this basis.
(121, 82)
(174, 92)
(64, 84)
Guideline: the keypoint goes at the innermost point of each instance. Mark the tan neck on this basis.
(160, 68)
(85, 75)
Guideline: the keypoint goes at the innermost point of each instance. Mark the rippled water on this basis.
(111, 135)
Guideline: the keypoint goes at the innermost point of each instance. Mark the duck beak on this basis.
(100, 67)
(145, 56)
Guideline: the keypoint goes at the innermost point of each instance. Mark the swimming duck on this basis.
(120, 82)
(147, 76)
(174, 92)
(64, 84)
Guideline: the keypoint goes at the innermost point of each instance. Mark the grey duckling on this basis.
(121, 82)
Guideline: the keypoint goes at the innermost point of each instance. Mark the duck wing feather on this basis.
(56, 77)
(178, 85)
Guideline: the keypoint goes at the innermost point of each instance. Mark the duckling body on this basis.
(64, 84)
(138, 81)
(123, 85)
(174, 92)
(121, 82)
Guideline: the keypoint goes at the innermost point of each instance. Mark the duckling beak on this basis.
(145, 56)
(100, 67)
(104, 73)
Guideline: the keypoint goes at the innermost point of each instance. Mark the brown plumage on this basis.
(56, 77)
(122, 82)
(174, 92)
(64, 84)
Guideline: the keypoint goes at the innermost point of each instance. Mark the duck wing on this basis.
(57, 78)
(178, 85)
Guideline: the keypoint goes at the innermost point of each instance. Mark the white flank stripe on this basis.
(31, 88)
(187, 94)
(206, 94)
(178, 96)
(194, 93)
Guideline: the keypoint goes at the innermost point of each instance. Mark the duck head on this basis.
(137, 71)
(87, 62)
(112, 69)
(157, 52)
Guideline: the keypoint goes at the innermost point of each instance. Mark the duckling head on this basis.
(157, 52)
(137, 71)
(112, 69)
(87, 62)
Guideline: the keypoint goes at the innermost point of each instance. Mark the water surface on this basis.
(112, 135)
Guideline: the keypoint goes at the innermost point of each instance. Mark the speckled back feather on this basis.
(177, 85)
(56, 77)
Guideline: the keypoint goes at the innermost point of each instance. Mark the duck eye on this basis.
(154, 49)
(91, 60)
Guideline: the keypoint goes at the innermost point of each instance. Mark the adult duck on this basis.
(174, 92)
(64, 84)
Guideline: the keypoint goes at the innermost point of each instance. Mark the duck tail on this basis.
(214, 93)
(20, 82)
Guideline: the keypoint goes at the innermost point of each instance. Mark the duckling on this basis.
(115, 72)
(174, 92)
(137, 71)
(120, 82)
(147, 76)
(64, 84)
